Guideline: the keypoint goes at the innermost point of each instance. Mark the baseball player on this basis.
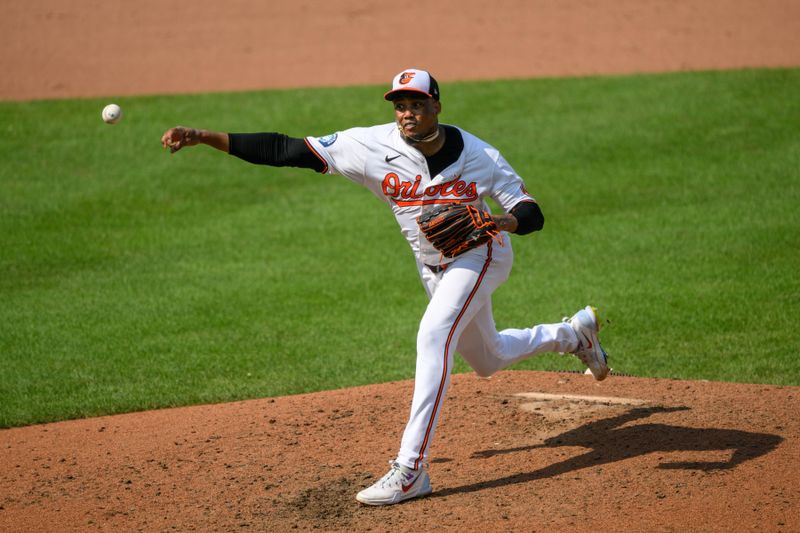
(417, 166)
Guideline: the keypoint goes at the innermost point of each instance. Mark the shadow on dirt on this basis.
(608, 443)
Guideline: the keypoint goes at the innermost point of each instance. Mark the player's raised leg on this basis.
(487, 351)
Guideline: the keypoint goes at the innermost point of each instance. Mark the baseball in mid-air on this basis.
(112, 113)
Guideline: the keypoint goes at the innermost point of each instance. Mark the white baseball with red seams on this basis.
(112, 113)
(459, 314)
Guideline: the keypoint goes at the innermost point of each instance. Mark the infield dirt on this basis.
(55, 49)
(627, 454)
(524, 451)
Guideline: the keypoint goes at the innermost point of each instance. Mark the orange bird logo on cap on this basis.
(406, 77)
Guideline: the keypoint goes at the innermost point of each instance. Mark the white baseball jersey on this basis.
(378, 158)
(459, 312)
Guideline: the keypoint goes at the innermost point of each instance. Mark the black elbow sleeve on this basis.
(529, 217)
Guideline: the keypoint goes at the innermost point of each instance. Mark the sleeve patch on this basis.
(328, 140)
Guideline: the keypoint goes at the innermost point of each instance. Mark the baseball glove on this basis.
(455, 228)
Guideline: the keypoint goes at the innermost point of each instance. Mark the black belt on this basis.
(437, 268)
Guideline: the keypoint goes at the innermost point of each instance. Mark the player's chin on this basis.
(415, 134)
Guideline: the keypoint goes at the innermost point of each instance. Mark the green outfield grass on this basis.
(131, 279)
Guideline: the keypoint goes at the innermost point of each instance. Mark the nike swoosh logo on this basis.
(405, 487)
(390, 159)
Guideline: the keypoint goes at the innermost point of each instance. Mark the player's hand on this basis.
(507, 222)
(178, 137)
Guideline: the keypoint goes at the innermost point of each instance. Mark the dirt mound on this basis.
(523, 451)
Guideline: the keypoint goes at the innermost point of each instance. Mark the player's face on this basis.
(417, 117)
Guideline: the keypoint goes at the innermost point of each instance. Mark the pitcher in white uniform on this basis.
(411, 164)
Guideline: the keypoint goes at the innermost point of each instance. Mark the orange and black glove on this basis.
(455, 228)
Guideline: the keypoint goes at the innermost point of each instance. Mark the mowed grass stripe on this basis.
(131, 279)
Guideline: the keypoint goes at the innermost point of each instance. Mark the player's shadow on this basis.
(608, 442)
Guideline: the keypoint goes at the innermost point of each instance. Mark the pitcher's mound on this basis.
(524, 451)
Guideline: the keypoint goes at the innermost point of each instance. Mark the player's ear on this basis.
(437, 106)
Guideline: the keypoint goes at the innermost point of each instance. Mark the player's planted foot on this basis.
(586, 326)
(399, 484)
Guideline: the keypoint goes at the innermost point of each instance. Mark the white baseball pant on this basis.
(459, 318)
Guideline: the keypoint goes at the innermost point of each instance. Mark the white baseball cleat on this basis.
(399, 484)
(586, 325)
